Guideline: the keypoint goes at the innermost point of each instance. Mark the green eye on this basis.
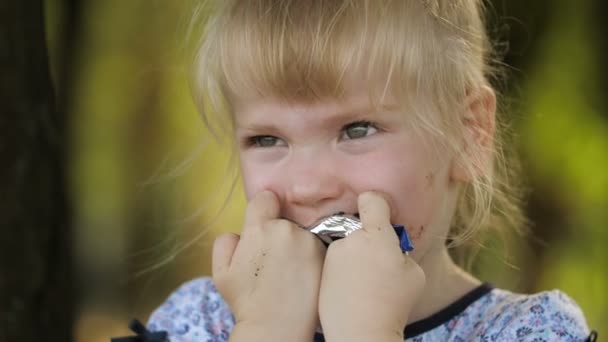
(359, 130)
(264, 141)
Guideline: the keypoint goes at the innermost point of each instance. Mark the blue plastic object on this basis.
(404, 240)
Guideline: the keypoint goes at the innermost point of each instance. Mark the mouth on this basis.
(334, 227)
(340, 225)
(329, 216)
(341, 213)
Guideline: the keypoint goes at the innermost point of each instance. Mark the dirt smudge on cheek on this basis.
(416, 234)
(430, 180)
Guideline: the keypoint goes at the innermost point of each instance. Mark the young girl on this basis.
(381, 109)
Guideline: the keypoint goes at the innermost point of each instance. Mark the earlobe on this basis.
(474, 158)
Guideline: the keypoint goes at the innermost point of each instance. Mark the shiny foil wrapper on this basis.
(340, 225)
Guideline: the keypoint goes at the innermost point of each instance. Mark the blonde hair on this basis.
(429, 53)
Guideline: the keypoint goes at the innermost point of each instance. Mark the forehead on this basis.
(351, 104)
(353, 85)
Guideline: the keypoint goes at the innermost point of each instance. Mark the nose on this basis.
(313, 180)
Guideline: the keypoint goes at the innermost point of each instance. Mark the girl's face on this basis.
(317, 158)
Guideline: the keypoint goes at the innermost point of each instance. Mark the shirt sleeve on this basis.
(547, 316)
(194, 312)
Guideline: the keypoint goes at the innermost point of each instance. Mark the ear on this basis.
(478, 129)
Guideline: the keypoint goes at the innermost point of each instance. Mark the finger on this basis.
(223, 250)
(375, 214)
(264, 206)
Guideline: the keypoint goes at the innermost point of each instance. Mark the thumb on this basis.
(223, 249)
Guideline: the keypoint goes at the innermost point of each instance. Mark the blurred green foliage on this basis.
(147, 180)
(565, 139)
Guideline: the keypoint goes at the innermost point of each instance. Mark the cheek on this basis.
(255, 179)
(413, 184)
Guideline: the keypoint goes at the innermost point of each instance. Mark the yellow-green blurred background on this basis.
(147, 181)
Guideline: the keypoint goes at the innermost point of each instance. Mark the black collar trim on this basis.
(441, 317)
(448, 313)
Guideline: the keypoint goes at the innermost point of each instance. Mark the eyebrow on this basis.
(331, 119)
(254, 127)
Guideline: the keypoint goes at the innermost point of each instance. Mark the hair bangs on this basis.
(309, 50)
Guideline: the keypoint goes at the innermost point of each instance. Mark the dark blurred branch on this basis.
(36, 291)
(600, 10)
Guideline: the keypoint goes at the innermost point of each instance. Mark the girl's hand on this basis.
(368, 286)
(270, 275)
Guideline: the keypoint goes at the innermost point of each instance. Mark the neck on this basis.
(440, 270)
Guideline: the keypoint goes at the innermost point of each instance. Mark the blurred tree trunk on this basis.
(600, 11)
(36, 297)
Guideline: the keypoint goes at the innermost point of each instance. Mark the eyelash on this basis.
(254, 141)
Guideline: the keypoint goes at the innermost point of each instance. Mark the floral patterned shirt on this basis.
(197, 312)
